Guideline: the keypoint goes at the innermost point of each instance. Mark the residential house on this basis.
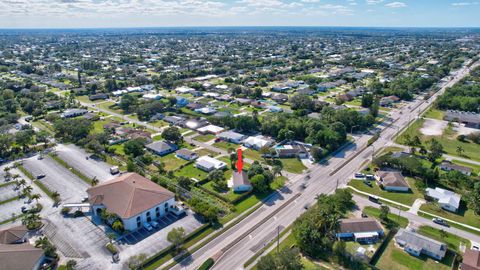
(280, 98)
(231, 136)
(210, 129)
(470, 119)
(208, 164)
(70, 113)
(449, 166)
(133, 198)
(257, 142)
(416, 244)
(471, 260)
(195, 105)
(162, 148)
(392, 180)
(291, 150)
(206, 110)
(240, 182)
(184, 90)
(99, 96)
(446, 199)
(363, 230)
(174, 120)
(388, 101)
(280, 88)
(186, 154)
(181, 101)
(194, 123)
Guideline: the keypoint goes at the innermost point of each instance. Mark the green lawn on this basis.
(159, 123)
(118, 149)
(206, 152)
(252, 154)
(192, 172)
(464, 215)
(226, 145)
(293, 165)
(448, 141)
(110, 106)
(227, 194)
(171, 162)
(453, 241)
(434, 114)
(407, 198)
(204, 138)
(375, 212)
(394, 258)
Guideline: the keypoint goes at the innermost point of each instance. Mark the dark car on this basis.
(440, 221)
(40, 176)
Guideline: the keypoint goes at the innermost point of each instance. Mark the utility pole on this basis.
(337, 184)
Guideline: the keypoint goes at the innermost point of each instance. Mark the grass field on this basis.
(192, 172)
(109, 106)
(434, 114)
(206, 152)
(204, 138)
(171, 162)
(226, 145)
(407, 198)
(293, 165)
(448, 141)
(375, 212)
(394, 258)
(463, 215)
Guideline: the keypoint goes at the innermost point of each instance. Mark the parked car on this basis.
(370, 177)
(147, 226)
(374, 199)
(154, 224)
(368, 183)
(440, 221)
(40, 176)
(364, 215)
(359, 175)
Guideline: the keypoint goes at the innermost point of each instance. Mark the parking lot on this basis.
(8, 192)
(57, 178)
(8, 210)
(77, 158)
(143, 241)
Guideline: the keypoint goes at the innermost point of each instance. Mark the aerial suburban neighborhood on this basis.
(240, 147)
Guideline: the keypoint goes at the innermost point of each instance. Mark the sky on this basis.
(167, 13)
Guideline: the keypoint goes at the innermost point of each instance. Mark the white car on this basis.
(147, 226)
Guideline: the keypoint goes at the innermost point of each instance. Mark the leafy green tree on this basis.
(134, 147)
(176, 236)
(172, 134)
(384, 211)
(436, 150)
(260, 183)
(474, 198)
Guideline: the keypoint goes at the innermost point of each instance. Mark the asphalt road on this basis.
(232, 249)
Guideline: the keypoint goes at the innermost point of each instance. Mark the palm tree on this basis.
(22, 182)
(276, 170)
(94, 181)
(27, 190)
(36, 197)
(56, 197)
(460, 150)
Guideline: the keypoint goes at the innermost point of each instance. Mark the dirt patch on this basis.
(433, 127)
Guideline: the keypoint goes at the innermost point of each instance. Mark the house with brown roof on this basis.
(392, 180)
(364, 230)
(471, 260)
(133, 198)
(20, 257)
(14, 235)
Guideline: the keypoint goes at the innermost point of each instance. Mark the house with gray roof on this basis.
(162, 148)
(392, 180)
(70, 113)
(450, 166)
(416, 244)
(446, 199)
(231, 136)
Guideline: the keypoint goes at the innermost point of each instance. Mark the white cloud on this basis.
(396, 5)
(373, 2)
(456, 4)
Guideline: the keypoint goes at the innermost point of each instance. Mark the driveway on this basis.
(57, 178)
(77, 158)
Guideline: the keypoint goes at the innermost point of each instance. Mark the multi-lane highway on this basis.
(235, 246)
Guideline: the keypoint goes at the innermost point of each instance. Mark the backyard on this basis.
(407, 198)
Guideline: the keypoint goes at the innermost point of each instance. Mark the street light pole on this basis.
(278, 238)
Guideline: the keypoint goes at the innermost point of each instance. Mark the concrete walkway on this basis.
(416, 206)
